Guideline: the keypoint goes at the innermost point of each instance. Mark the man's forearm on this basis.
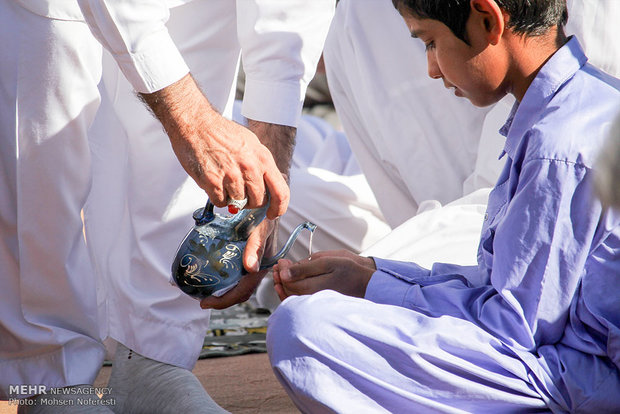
(181, 109)
(177, 105)
(225, 159)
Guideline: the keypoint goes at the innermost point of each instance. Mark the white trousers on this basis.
(48, 98)
(142, 201)
(60, 294)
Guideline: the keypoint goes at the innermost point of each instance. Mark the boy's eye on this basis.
(430, 45)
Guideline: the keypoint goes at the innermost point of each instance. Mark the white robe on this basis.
(48, 321)
(144, 311)
(55, 306)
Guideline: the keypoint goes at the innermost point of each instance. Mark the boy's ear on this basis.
(490, 17)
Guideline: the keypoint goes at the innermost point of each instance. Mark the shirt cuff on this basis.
(392, 280)
(386, 289)
(274, 102)
(156, 66)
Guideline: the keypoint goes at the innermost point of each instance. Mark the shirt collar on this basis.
(559, 68)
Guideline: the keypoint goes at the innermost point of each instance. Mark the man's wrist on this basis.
(279, 139)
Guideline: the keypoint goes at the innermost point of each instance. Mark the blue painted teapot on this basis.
(209, 260)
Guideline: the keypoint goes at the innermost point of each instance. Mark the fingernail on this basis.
(285, 274)
(253, 262)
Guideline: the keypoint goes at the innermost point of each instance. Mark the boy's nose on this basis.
(433, 68)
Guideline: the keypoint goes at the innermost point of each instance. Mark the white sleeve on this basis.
(134, 32)
(281, 42)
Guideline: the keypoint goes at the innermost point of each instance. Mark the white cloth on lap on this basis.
(443, 234)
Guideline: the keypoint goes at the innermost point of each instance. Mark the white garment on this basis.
(329, 189)
(48, 320)
(595, 23)
(50, 332)
(412, 138)
(142, 194)
(447, 234)
(277, 41)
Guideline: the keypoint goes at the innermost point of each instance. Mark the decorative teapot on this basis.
(209, 260)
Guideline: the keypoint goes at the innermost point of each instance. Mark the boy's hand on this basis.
(346, 254)
(340, 270)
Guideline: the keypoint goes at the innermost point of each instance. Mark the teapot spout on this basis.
(269, 262)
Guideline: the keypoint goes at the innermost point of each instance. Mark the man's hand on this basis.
(280, 140)
(340, 270)
(224, 158)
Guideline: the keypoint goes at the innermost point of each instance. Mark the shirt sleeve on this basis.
(280, 46)
(537, 252)
(136, 35)
(398, 283)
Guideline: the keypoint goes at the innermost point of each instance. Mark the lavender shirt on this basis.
(547, 282)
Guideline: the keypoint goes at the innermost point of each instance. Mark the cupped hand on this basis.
(346, 254)
(341, 271)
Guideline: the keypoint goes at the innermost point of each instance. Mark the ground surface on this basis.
(242, 384)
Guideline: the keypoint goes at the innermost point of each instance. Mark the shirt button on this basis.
(486, 216)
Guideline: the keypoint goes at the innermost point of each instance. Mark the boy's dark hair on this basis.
(527, 17)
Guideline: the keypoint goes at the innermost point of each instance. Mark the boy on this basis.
(536, 325)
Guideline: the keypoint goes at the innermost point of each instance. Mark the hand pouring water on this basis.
(209, 260)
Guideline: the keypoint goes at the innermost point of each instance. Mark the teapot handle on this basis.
(268, 262)
(203, 216)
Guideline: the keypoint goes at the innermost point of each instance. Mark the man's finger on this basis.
(234, 185)
(279, 192)
(255, 191)
(238, 294)
(217, 195)
(255, 247)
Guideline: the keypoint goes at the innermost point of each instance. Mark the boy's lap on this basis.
(398, 348)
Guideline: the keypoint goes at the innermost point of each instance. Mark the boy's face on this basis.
(475, 71)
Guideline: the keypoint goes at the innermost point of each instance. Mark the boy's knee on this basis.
(297, 321)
